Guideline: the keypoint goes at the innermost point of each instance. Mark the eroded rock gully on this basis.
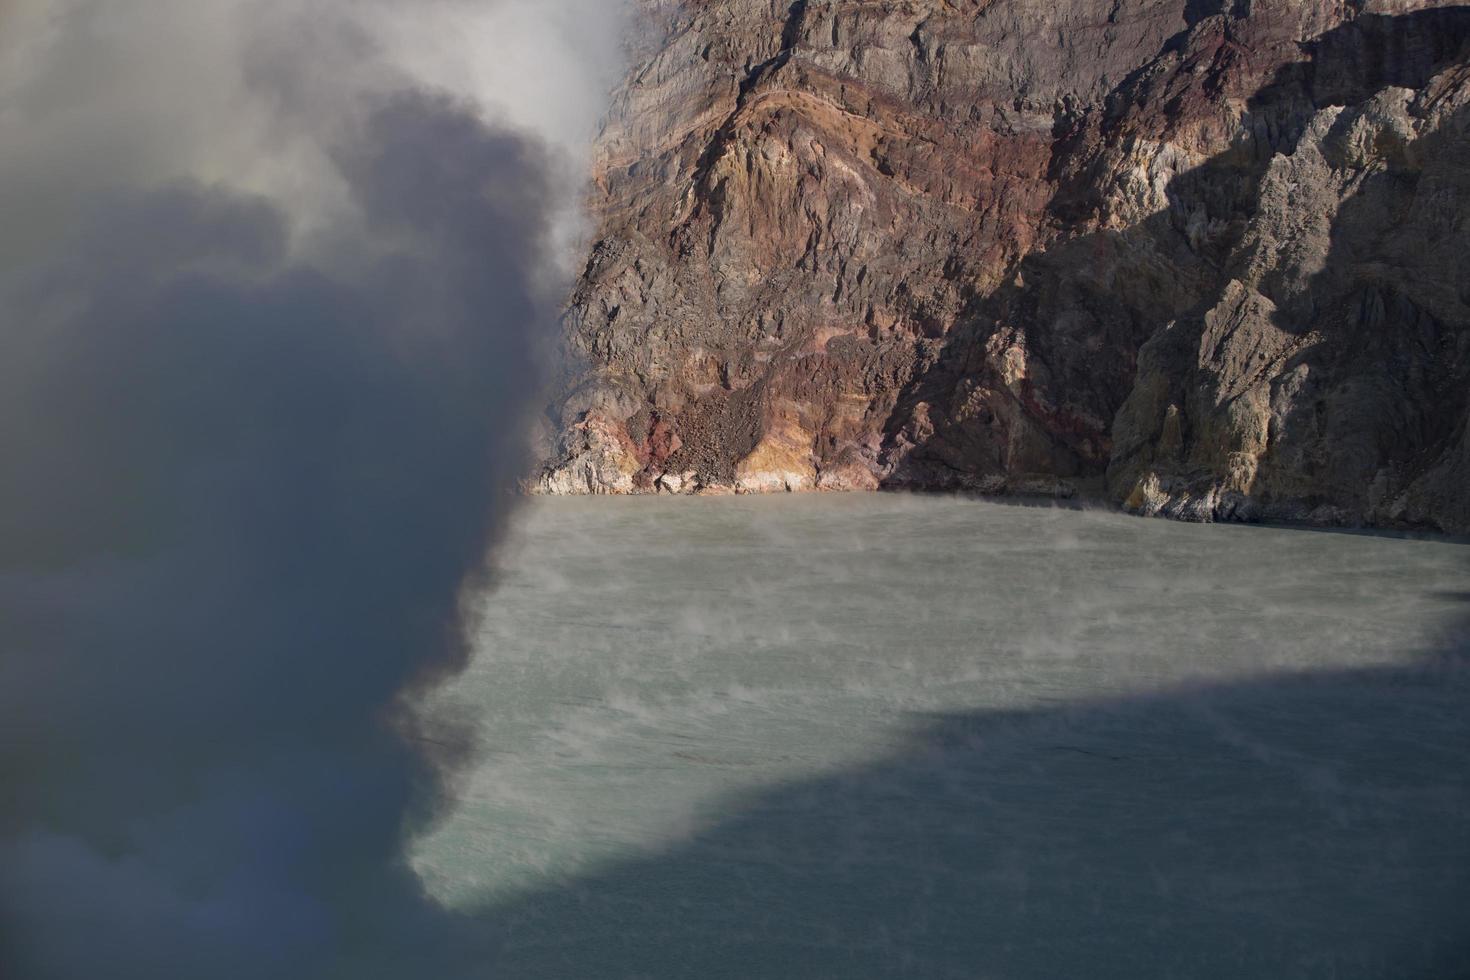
(1209, 258)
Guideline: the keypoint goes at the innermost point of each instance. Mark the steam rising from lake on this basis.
(273, 276)
(891, 736)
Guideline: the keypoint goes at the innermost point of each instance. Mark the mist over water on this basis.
(897, 736)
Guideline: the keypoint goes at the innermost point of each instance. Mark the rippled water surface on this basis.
(873, 735)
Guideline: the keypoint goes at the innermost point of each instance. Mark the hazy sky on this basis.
(270, 275)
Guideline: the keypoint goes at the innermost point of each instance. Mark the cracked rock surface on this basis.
(1208, 258)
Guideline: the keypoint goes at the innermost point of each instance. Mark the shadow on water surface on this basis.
(1304, 825)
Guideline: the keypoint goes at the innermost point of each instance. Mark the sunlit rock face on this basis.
(1204, 257)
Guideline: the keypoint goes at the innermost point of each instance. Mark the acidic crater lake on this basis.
(884, 736)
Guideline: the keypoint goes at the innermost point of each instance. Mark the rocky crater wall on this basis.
(1208, 258)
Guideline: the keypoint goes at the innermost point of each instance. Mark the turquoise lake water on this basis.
(882, 735)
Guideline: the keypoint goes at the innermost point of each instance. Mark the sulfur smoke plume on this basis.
(270, 277)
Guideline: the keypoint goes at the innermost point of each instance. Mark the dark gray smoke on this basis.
(251, 462)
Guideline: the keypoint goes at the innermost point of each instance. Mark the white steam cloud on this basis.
(97, 95)
(270, 277)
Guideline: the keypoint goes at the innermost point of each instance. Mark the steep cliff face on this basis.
(1208, 257)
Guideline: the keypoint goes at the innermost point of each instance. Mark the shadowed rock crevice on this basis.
(1173, 355)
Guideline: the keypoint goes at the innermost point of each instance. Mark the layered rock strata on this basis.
(1209, 258)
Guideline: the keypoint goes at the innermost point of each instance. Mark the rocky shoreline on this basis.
(1210, 508)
